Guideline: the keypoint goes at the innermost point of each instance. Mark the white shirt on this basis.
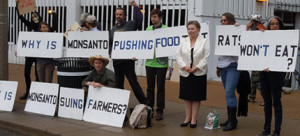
(225, 61)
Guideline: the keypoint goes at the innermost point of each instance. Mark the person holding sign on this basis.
(100, 76)
(32, 25)
(45, 66)
(83, 19)
(192, 57)
(255, 24)
(156, 68)
(227, 69)
(125, 67)
(91, 24)
(271, 89)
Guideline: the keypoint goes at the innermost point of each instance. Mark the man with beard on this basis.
(126, 67)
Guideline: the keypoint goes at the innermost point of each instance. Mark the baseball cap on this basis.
(91, 19)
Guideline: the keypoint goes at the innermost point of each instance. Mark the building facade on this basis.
(176, 13)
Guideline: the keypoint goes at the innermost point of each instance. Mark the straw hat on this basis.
(93, 58)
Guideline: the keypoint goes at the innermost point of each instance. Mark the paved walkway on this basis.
(25, 123)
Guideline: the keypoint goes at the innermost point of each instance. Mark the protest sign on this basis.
(26, 6)
(40, 44)
(276, 50)
(74, 27)
(42, 98)
(228, 39)
(138, 44)
(71, 103)
(106, 106)
(168, 39)
(87, 43)
(8, 90)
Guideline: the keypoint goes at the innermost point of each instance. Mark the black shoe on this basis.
(159, 116)
(193, 125)
(264, 133)
(185, 124)
(24, 97)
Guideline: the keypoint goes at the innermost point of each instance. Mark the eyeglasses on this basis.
(223, 20)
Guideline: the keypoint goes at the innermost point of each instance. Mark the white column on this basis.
(73, 12)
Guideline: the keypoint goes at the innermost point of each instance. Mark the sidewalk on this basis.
(25, 123)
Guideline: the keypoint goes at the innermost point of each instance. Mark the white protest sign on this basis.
(138, 44)
(71, 103)
(228, 39)
(168, 39)
(8, 90)
(276, 50)
(106, 106)
(87, 43)
(74, 27)
(42, 98)
(40, 44)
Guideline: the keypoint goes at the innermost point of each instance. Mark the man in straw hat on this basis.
(100, 76)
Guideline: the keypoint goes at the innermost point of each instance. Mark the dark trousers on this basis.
(271, 89)
(28, 64)
(128, 69)
(160, 74)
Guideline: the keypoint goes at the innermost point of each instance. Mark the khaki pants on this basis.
(45, 72)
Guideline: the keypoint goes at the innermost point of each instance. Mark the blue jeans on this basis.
(230, 78)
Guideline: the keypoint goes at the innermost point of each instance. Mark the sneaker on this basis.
(264, 133)
(159, 116)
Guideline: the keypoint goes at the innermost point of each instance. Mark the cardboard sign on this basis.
(74, 27)
(276, 50)
(40, 44)
(168, 42)
(71, 103)
(87, 43)
(26, 6)
(106, 106)
(138, 44)
(8, 90)
(228, 38)
(42, 98)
